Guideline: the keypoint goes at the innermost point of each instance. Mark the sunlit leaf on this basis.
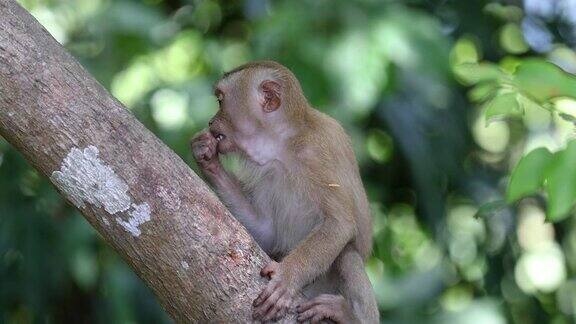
(512, 40)
(483, 91)
(561, 183)
(464, 51)
(528, 175)
(510, 64)
(472, 73)
(501, 106)
(543, 80)
(527, 104)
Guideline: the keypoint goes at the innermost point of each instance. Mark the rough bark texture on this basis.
(141, 197)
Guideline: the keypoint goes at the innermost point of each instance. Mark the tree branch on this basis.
(138, 194)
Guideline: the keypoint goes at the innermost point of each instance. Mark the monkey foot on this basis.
(276, 299)
(325, 307)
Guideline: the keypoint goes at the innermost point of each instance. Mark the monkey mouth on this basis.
(220, 137)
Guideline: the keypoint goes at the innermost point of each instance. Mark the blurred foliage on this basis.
(422, 86)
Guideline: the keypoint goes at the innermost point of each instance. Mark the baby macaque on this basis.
(299, 194)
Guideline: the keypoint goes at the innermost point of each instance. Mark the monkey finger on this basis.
(317, 319)
(198, 140)
(199, 149)
(280, 314)
(203, 157)
(314, 315)
(208, 153)
(307, 305)
(284, 307)
(196, 144)
(268, 306)
(303, 317)
(271, 313)
(207, 156)
(203, 138)
(212, 151)
(279, 306)
(329, 299)
(212, 148)
(203, 134)
(320, 311)
(206, 142)
(270, 288)
(202, 151)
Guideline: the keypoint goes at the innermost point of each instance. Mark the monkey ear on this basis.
(269, 95)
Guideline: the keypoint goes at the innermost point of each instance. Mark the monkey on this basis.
(298, 192)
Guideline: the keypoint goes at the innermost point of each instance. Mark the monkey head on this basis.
(246, 104)
(256, 109)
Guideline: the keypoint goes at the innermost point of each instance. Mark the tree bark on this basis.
(137, 193)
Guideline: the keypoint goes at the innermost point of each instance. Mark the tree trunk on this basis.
(138, 194)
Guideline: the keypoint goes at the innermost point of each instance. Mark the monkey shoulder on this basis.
(327, 171)
(326, 148)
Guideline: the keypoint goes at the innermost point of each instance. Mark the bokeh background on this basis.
(389, 71)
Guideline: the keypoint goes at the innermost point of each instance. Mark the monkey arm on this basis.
(205, 151)
(230, 191)
(316, 253)
(311, 258)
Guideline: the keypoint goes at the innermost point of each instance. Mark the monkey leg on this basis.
(356, 302)
(356, 287)
(326, 309)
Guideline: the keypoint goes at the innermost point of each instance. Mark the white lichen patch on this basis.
(185, 265)
(138, 216)
(84, 178)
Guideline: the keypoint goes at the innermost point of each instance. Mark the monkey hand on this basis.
(277, 298)
(204, 148)
(326, 307)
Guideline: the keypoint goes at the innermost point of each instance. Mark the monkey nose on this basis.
(210, 122)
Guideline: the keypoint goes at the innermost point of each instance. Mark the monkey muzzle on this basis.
(216, 133)
(224, 142)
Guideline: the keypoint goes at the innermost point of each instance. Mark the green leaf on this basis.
(528, 175)
(543, 80)
(464, 51)
(561, 183)
(503, 12)
(527, 104)
(483, 91)
(502, 106)
(472, 73)
(512, 40)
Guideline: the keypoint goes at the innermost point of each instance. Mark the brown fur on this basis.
(299, 194)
